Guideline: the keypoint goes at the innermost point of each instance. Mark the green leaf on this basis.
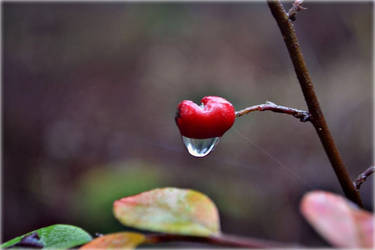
(116, 240)
(170, 210)
(338, 220)
(56, 236)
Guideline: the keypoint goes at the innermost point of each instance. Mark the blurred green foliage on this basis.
(102, 185)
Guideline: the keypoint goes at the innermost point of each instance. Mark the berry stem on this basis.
(317, 117)
(304, 116)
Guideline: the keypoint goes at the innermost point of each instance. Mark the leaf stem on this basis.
(363, 177)
(220, 240)
(317, 117)
(304, 116)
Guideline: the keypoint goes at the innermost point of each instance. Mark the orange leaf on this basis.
(125, 240)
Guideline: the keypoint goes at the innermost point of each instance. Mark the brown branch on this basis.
(363, 176)
(220, 240)
(304, 116)
(317, 118)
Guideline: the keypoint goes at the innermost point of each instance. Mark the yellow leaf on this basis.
(169, 210)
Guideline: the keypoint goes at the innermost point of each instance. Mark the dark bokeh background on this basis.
(90, 91)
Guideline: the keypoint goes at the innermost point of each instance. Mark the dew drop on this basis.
(200, 147)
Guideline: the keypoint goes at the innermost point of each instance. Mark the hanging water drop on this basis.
(200, 147)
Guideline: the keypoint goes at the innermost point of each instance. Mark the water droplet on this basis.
(200, 147)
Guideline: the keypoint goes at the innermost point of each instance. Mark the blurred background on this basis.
(90, 93)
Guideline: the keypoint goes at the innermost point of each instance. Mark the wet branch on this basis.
(363, 176)
(317, 117)
(220, 240)
(304, 116)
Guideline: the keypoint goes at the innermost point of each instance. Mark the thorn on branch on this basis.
(297, 7)
(363, 176)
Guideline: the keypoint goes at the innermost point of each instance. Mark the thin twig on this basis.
(304, 116)
(317, 118)
(363, 176)
(220, 240)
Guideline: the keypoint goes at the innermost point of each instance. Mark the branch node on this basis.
(363, 177)
(297, 7)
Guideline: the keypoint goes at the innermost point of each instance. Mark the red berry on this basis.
(212, 120)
